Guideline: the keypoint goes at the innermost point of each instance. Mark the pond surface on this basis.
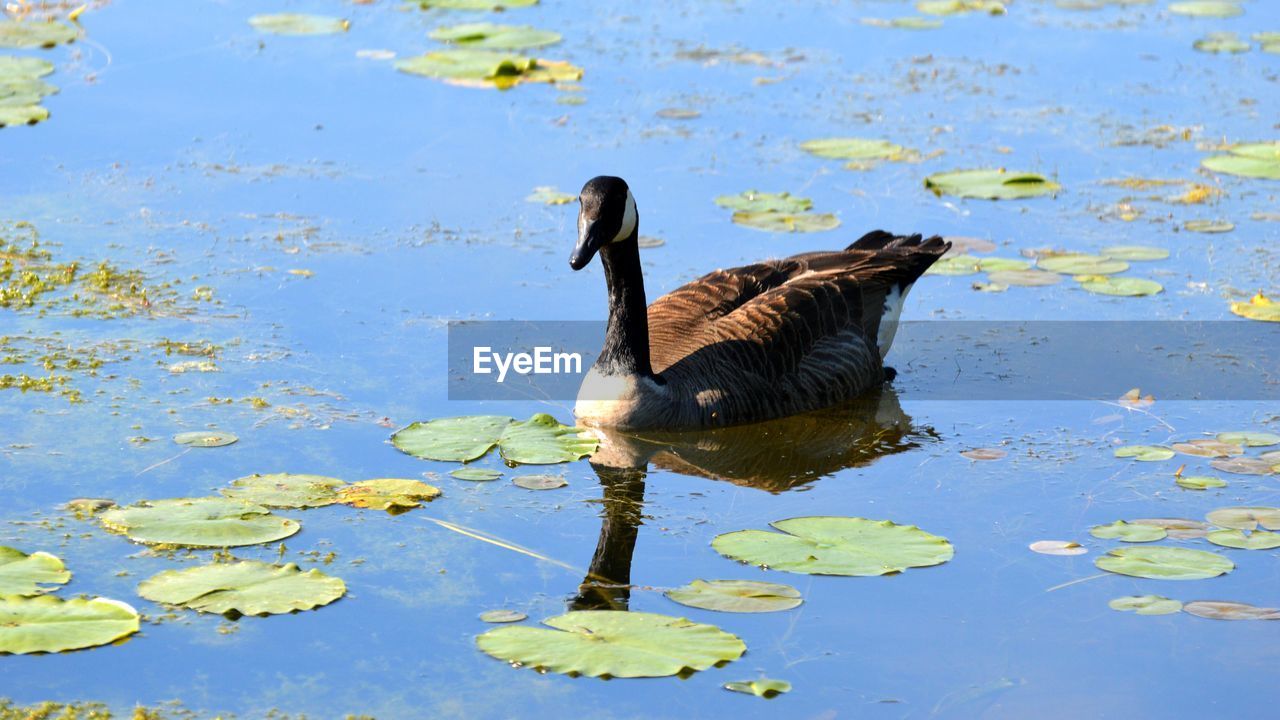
(308, 220)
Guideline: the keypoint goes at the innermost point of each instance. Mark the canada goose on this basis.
(742, 345)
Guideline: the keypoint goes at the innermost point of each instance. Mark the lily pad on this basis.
(1058, 547)
(1146, 605)
(1246, 518)
(475, 474)
(1205, 447)
(1210, 227)
(35, 34)
(23, 115)
(1221, 42)
(773, 221)
(1145, 453)
(613, 643)
(286, 490)
(548, 195)
(1221, 610)
(494, 36)
(1199, 482)
(299, 24)
(990, 184)
(1244, 466)
(1134, 252)
(1178, 528)
(198, 522)
(1254, 160)
(205, 438)
(246, 587)
(14, 67)
(502, 616)
(742, 596)
(1160, 562)
(475, 4)
(23, 574)
(1259, 307)
(390, 494)
(984, 454)
(50, 624)
(1121, 530)
(957, 7)
(1207, 8)
(1025, 278)
(487, 68)
(851, 148)
(1245, 540)
(905, 23)
(1081, 264)
(539, 482)
(955, 265)
(540, 440)
(753, 201)
(1121, 286)
(1249, 438)
(836, 546)
(765, 687)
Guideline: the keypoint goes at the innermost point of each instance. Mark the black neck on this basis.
(626, 341)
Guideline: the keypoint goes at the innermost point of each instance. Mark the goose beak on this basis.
(588, 244)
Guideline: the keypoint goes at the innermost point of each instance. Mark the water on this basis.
(185, 144)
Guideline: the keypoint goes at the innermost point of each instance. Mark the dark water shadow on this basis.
(775, 456)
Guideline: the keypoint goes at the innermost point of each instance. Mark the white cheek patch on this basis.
(628, 220)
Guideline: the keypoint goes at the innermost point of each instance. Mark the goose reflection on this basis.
(774, 456)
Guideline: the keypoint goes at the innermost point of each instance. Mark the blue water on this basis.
(185, 144)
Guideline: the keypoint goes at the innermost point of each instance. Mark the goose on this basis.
(742, 345)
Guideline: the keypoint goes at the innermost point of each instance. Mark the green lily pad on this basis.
(23, 574)
(494, 36)
(1249, 438)
(765, 687)
(540, 440)
(1221, 42)
(1205, 447)
(286, 490)
(539, 482)
(990, 184)
(1146, 605)
(23, 115)
(1207, 8)
(245, 587)
(752, 201)
(548, 195)
(502, 616)
(1024, 278)
(1259, 307)
(1254, 160)
(851, 148)
(198, 522)
(1246, 518)
(1081, 264)
(475, 4)
(1121, 530)
(299, 24)
(1058, 547)
(836, 546)
(1244, 466)
(613, 643)
(1220, 610)
(487, 68)
(1209, 226)
(1178, 528)
(955, 265)
(205, 439)
(957, 7)
(1121, 286)
(743, 596)
(390, 494)
(905, 23)
(1199, 482)
(14, 67)
(1245, 540)
(35, 34)
(1164, 563)
(475, 474)
(773, 221)
(999, 264)
(50, 624)
(1145, 453)
(1134, 252)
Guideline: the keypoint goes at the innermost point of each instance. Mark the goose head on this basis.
(606, 215)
